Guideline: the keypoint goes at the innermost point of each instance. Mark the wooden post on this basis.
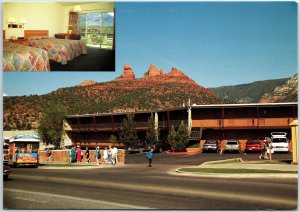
(294, 129)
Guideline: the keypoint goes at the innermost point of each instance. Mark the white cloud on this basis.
(4, 94)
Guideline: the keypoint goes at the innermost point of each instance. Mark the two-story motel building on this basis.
(220, 121)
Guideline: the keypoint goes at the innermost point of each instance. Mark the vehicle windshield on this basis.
(253, 142)
(279, 140)
(211, 142)
(24, 147)
(232, 142)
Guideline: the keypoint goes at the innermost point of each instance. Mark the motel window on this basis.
(97, 29)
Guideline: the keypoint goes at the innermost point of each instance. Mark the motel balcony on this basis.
(243, 123)
(117, 126)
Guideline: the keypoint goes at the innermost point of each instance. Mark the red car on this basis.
(253, 146)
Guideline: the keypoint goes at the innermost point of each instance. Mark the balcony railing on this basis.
(242, 123)
(195, 135)
(117, 126)
(176, 123)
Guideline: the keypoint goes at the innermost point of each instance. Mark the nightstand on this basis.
(20, 41)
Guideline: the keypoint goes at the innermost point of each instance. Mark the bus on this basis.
(23, 150)
(5, 153)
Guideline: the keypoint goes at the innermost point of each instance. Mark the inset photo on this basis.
(58, 36)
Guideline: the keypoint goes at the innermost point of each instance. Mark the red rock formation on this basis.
(87, 82)
(128, 73)
(153, 72)
(177, 73)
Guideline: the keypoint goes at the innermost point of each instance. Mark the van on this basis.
(279, 142)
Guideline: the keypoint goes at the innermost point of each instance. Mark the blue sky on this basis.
(216, 44)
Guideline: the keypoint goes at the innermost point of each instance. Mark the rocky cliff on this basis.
(288, 92)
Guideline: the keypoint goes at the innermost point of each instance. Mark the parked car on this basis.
(158, 146)
(211, 145)
(279, 142)
(6, 171)
(232, 146)
(137, 147)
(253, 146)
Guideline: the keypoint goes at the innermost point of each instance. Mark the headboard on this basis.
(30, 33)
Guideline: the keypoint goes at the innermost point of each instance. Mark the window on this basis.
(97, 29)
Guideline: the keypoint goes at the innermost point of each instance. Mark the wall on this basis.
(39, 16)
(63, 156)
(86, 8)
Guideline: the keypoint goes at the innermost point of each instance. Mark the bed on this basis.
(17, 57)
(59, 50)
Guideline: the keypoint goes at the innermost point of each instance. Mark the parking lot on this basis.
(197, 159)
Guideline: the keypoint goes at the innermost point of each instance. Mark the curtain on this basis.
(73, 23)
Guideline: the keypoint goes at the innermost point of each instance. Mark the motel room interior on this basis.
(58, 36)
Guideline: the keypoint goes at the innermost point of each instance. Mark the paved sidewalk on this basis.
(82, 165)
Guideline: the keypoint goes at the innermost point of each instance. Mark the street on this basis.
(136, 186)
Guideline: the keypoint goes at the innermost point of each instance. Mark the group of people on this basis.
(264, 150)
(110, 155)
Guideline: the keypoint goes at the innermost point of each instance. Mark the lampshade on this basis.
(11, 20)
(77, 8)
(23, 21)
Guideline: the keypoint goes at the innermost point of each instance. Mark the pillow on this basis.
(45, 37)
(32, 38)
(38, 37)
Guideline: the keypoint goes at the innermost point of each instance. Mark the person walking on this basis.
(97, 154)
(78, 154)
(105, 155)
(115, 154)
(70, 155)
(110, 155)
(150, 157)
(49, 153)
(87, 155)
(73, 154)
(222, 147)
(268, 150)
(263, 151)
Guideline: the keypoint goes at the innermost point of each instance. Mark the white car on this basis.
(232, 146)
(279, 142)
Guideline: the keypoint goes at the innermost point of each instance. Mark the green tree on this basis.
(128, 134)
(152, 132)
(172, 138)
(101, 39)
(179, 139)
(51, 127)
(113, 140)
(182, 138)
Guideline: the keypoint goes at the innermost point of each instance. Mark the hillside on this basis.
(288, 92)
(259, 91)
(156, 90)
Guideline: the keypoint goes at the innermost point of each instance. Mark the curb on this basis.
(81, 167)
(183, 153)
(217, 175)
(215, 162)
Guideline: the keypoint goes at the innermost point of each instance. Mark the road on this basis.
(136, 186)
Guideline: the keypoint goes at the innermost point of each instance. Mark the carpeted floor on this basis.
(96, 60)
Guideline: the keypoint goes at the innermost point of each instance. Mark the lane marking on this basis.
(207, 193)
(32, 200)
(121, 205)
